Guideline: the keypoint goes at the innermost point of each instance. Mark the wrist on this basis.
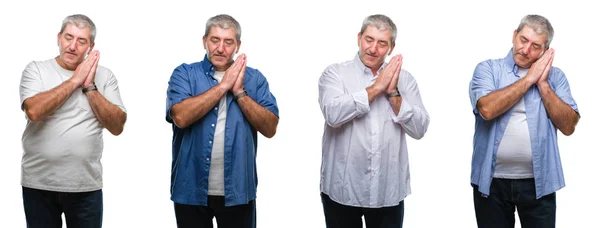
(238, 91)
(238, 95)
(543, 85)
(393, 93)
(89, 88)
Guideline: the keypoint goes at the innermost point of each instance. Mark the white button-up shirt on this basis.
(365, 159)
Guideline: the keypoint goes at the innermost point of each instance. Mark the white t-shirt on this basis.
(62, 152)
(513, 158)
(215, 176)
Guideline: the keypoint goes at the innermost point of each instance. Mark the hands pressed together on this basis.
(234, 76)
(85, 72)
(387, 81)
(539, 71)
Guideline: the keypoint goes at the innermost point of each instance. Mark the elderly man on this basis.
(68, 101)
(369, 106)
(519, 102)
(216, 106)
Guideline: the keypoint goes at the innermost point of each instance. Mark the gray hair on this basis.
(224, 21)
(380, 22)
(81, 21)
(539, 24)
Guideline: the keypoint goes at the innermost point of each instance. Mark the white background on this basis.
(292, 43)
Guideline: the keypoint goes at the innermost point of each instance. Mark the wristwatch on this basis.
(90, 88)
(393, 94)
(240, 95)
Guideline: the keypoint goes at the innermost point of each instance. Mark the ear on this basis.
(237, 48)
(391, 49)
(91, 47)
(358, 39)
(514, 39)
(58, 39)
(204, 43)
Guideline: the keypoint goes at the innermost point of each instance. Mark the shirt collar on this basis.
(509, 60)
(364, 68)
(207, 67)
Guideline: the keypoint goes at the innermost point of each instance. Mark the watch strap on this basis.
(393, 94)
(89, 88)
(240, 95)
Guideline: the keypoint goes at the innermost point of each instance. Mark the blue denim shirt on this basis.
(492, 75)
(192, 146)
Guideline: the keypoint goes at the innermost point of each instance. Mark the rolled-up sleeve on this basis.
(481, 84)
(561, 88)
(178, 90)
(337, 106)
(413, 116)
(264, 97)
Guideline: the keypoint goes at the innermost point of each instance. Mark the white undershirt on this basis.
(513, 159)
(215, 176)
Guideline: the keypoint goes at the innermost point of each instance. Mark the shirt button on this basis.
(213, 125)
(216, 108)
(208, 159)
(496, 141)
(210, 142)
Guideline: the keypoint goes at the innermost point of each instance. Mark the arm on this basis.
(108, 114)
(39, 106)
(561, 114)
(263, 120)
(190, 110)
(411, 114)
(498, 102)
(43, 104)
(337, 106)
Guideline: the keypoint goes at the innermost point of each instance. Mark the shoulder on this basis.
(336, 67)
(254, 74)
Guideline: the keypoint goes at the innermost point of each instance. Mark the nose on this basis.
(72, 46)
(220, 47)
(373, 49)
(527, 49)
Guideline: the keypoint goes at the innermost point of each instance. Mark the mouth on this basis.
(220, 56)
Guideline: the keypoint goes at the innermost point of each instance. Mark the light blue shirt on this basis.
(492, 75)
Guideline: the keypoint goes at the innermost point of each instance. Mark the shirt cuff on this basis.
(361, 100)
(404, 114)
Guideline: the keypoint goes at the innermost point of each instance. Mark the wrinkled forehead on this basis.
(378, 34)
(80, 32)
(538, 36)
(222, 33)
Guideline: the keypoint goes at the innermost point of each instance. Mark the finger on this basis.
(243, 70)
(549, 64)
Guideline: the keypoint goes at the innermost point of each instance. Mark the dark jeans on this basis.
(44, 208)
(342, 216)
(498, 209)
(194, 216)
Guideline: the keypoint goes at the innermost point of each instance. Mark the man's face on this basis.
(374, 45)
(528, 46)
(73, 44)
(221, 45)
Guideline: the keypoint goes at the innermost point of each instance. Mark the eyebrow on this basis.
(534, 43)
(79, 38)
